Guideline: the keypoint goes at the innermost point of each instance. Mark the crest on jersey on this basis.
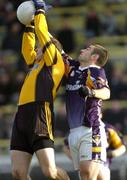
(96, 139)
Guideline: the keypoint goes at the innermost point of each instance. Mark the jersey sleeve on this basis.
(28, 45)
(101, 80)
(48, 48)
(96, 78)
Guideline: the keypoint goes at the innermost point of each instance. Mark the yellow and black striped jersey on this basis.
(44, 77)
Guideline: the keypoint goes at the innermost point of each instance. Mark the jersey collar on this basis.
(86, 67)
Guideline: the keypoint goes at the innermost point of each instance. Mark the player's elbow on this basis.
(29, 56)
(106, 94)
(24, 53)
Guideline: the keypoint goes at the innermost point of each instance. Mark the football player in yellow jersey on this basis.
(34, 121)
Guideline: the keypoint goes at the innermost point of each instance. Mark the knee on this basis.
(18, 174)
(50, 172)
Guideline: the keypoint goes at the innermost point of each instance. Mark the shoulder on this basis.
(97, 71)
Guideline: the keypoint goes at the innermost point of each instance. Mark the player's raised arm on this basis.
(48, 48)
(68, 62)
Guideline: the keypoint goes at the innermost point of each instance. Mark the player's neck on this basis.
(84, 64)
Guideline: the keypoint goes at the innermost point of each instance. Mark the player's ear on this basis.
(95, 57)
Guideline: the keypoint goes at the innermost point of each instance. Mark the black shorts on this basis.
(24, 132)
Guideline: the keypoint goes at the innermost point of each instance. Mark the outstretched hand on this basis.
(40, 4)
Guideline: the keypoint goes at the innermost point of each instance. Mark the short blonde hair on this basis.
(103, 54)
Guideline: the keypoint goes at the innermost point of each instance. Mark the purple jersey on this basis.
(84, 111)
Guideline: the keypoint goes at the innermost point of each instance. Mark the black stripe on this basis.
(44, 85)
(31, 65)
(39, 11)
(46, 46)
(32, 22)
(55, 58)
(29, 29)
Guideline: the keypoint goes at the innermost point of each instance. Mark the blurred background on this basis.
(76, 24)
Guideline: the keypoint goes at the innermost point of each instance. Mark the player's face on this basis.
(85, 54)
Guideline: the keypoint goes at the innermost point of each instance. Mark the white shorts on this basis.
(86, 146)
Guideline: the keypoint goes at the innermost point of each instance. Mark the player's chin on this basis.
(79, 58)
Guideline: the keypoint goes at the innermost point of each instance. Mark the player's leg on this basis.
(21, 151)
(46, 159)
(104, 173)
(89, 170)
(20, 164)
(92, 153)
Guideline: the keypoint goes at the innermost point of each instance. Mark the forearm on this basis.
(48, 48)
(103, 93)
(41, 27)
(119, 151)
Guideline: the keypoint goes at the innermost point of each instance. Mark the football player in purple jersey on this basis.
(86, 87)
